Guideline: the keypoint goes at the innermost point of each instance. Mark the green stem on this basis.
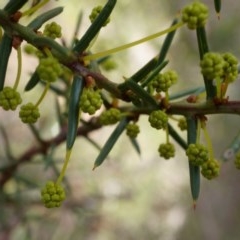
(35, 8)
(209, 142)
(19, 70)
(219, 87)
(198, 131)
(47, 52)
(43, 94)
(167, 134)
(64, 168)
(167, 97)
(132, 44)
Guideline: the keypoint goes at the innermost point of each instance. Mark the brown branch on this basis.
(27, 156)
(185, 108)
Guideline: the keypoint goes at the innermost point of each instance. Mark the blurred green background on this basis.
(129, 197)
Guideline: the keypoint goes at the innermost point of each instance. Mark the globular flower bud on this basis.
(110, 116)
(197, 154)
(195, 15)
(29, 113)
(132, 130)
(164, 81)
(53, 30)
(182, 123)
(52, 195)
(166, 150)
(109, 65)
(212, 65)
(210, 169)
(90, 101)
(158, 119)
(230, 69)
(49, 69)
(94, 14)
(9, 98)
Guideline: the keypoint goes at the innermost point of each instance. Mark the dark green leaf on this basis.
(203, 48)
(154, 73)
(141, 74)
(167, 43)
(217, 5)
(202, 41)
(110, 142)
(73, 110)
(185, 93)
(135, 145)
(14, 5)
(60, 117)
(194, 171)
(5, 51)
(77, 28)
(93, 30)
(144, 71)
(141, 93)
(41, 19)
(173, 133)
(33, 81)
(233, 149)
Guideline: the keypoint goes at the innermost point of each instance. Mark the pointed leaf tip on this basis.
(194, 204)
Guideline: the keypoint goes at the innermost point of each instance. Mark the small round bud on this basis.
(94, 14)
(109, 65)
(49, 69)
(212, 65)
(132, 130)
(29, 113)
(158, 119)
(9, 98)
(90, 101)
(210, 169)
(110, 116)
(52, 195)
(164, 81)
(195, 15)
(53, 30)
(197, 154)
(230, 69)
(30, 49)
(166, 150)
(182, 123)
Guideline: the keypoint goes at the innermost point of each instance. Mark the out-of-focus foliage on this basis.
(131, 197)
